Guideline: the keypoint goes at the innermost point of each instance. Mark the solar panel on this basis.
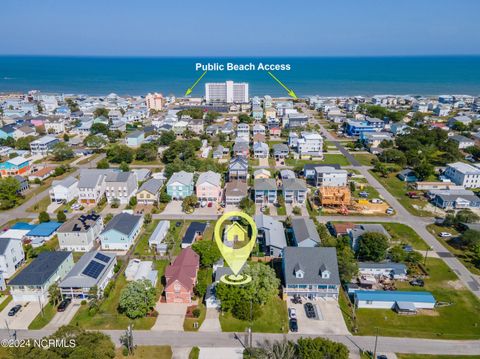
(93, 269)
(102, 257)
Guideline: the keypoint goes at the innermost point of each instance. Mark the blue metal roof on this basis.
(23, 226)
(394, 296)
(44, 229)
(193, 229)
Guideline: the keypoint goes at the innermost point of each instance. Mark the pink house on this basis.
(181, 277)
(275, 131)
(37, 121)
(208, 187)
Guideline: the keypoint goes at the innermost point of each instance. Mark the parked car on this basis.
(417, 282)
(178, 224)
(63, 305)
(376, 200)
(292, 313)
(309, 310)
(445, 234)
(293, 325)
(389, 210)
(15, 309)
(363, 194)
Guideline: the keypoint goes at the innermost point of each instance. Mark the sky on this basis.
(240, 28)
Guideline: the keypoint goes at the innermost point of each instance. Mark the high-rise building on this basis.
(228, 92)
(155, 101)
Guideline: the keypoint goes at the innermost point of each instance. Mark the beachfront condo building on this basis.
(227, 92)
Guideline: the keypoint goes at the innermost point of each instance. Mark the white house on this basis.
(309, 144)
(43, 145)
(11, 256)
(65, 190)
(80, 233)
(157, 239)
(463, 174)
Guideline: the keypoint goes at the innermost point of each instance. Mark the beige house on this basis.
(149, 192)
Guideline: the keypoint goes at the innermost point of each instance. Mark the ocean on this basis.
(328, 76)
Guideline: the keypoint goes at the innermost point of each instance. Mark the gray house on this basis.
(235, 191)
(271, 235)
(80, 233)
(120, 186)
(265, 190)
(238, 169)
(294, 190)
(260, 150)
(280, 150)
(361, 229)
(304, 232)
(310, 272)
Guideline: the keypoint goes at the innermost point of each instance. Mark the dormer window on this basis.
(299, 273)
(325, 274)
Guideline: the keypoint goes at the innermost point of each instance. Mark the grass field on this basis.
(189, 322)
(405, 234)
(142, 248)
(459, 320)
(147, 352)
(41, 320)
(327, 158)
(365, 159)
(274, 319)
(5, 302)
(464, 255)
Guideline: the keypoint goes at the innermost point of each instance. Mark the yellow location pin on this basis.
(235, 257)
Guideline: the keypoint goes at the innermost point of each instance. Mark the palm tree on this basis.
(276, 350)
(54, 294)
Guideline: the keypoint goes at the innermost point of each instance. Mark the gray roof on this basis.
(237, 163)
(185, 178)
(123, 223)
(75, 278)
(236, 188)
(80, 223)
(303, 229)
(311, 261)
(284, 174)
(135, 134)
(152, 186)
(460, 138)
(280, 147)
(294, 184)
(397, 267)
(118, 176)
(265, 184)
(89, 178)
(67, 182)
(4, 242)
(41, 269)
(209, 177)
(272, 230)
(361, 229)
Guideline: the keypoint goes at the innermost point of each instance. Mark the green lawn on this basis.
(327, 158)
(399, 189)
(405, 234)
(142, 248)
(5, 302)
(189, 322)
(274, 319)
(362, 187)
(457, 321)
(147, 352)
(40, 320)
(40, 206)
(88, 159)
(365, 159)
(253, 162)
(464, 255)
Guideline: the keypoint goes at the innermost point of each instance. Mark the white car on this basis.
(445, 234)
(389, 210)
(292, 313)
(376, 200)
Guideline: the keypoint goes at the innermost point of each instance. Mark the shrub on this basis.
(196, 312)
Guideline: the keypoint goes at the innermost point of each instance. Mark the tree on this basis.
(124, 167)
(101, 111)
(166, 138)
(243, 118)
(471, 238)
(133, 201)
(54, 294)
(120, 153)
(424, 170)
(283, 349)
(137, 299)
(9, 187)
(247, 205)
(164, 196)
(372, 246)
(43, 217)
(103, 164)
(61, 217)
(393, 155)
(313, 348)
(147, 152)
(23, 143)
(347, 265)
(208, 252)
(381, 168)
(61, 152)
(66, 137)
(188, 203)
(94, 141)
(466, 216)
(97, 128)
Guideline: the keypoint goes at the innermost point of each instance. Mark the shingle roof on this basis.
(272, 229)
(4, 242)
(152, 186)
(183, 268)
(75, 278)
(303, 229)
(67, 182)
(124, 223)
(80, 223)
(294, 184)
(265, 184)
(41, 269)
(209, 177)
(185, 178)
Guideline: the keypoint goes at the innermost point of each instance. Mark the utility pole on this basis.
(41, 306)
(426, 255)
(376, 341)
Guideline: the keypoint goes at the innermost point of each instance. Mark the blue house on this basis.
(120, 233)
(7, 131)
(42, 232)
(356, 127)
(407, 176)
(398, 300)
(180, 185)
(194, 230)
(135, 139)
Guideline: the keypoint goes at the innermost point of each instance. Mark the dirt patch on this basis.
(456, 284)
(428, 312)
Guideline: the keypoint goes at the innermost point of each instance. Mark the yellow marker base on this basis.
(236, 279)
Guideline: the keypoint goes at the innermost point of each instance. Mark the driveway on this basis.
(221, 353)
(63, 318)
(22, 319)
(211, 322)
(263, 162)
(174, 207)
(170, 316)
(329, 319)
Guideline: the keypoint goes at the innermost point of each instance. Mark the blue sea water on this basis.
(308, 76)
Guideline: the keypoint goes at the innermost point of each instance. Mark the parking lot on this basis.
(22, 319)
(328, 319)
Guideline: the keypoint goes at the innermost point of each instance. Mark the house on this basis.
(295, 120)
(275, 131)
(294, 190)
(15, 166)
(54, 125)
(33, 282)
(79, 233)
(304, 233)
(64, 191)
(341, 228)
(260, 150)
(462, 141)
(120, 186)
(91, 186)
(259, 129)
(280, 150)
(181, 277)
(328, 176)
(157, 239)
(265, 190)
(238, 169)
(43, 232)
(287, 174)
(149, 192)
(455, 199)
(120, 233)
(141, 270)
(7, 131)
(271, 235)
(407, 175)
(261, 173)
(41, 174)
(143, 174)
(93, 270)
(463, 174)
(372, 140)
(22, 183)
(308, 144)
(241, 148)
(379, 299)
(135, 139)
(180, 185)
(12, 256)
(235, 191)
(357, 127)
(24, 131)
(243, 131)
(310, 272)
(384, 269)
(196, 126)
(43, 145)
(194, 232)
(359, 230)
(464, 120)
(209, 187)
